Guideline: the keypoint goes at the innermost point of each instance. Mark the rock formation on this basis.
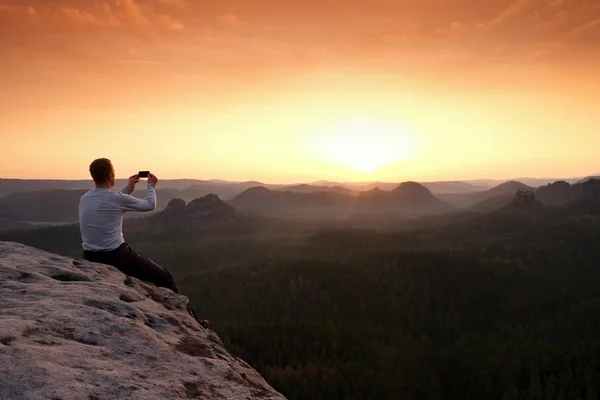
(408, 198)
(204, 213)
(75, 330)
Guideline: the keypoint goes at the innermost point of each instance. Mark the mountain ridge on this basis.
(16, 185)
(60, 205)
(407, 198)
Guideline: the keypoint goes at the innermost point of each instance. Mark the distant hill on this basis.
(304, 188)
(595, 176)
(361, 186)
(507, 187)
(434, 187)
(410, 198)
(493, 203)
(561, 192)
(468, 200)
(264, 201)
(452, 187)
(60, 206)
(10, 186)
(227, 190)
(42, 206)
(558, 193)
(531, 182)
(224, 189)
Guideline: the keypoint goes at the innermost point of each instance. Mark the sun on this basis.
(366, 144)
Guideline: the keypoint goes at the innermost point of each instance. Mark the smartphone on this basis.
(144, 174)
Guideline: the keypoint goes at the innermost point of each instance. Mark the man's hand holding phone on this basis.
(152, 179)
(133, 180)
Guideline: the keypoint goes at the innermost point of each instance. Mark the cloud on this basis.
(569, 41)
(228, 19)
(87, 19)
(11, 9)
(472, 32)
(136, 15)
(581, 29)
(5, 8)
(173, 3)
(170, 23)
(560, 18)
(512, 11)
(557, 3)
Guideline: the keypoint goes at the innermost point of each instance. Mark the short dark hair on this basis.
(100, 169)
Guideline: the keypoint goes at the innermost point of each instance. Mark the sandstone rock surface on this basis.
(74, 330)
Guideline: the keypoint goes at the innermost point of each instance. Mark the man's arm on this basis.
(130, 203)
(131, 184)
(127, 190)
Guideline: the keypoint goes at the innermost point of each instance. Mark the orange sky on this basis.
(299, 91)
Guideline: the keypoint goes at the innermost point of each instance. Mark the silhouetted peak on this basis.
(509, 187)
(556, 193)
(253, 183)
(412, 188)
(511, 184)
(591, 189)
(591, 177)
(176, 204)
(375, 192)
(205, 201)
(209, 205)
(257, 190)
(302, 188)
(560, 184)
(203, 212)
(524, 200)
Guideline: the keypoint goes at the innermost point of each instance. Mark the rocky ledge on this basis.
(72, 330)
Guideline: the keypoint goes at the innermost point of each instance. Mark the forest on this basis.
(499, 305)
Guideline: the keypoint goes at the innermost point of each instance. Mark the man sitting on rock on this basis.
(101, 212)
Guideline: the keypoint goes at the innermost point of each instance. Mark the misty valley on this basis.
(443, 290)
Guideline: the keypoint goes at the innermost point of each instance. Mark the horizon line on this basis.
(329, 181)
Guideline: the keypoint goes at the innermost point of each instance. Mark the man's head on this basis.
(102, 172)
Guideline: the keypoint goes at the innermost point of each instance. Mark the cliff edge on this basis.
(72, 330)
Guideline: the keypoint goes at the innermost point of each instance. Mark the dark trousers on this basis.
(134, 264)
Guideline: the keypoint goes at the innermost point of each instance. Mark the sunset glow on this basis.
(365, 144)
(290, 92)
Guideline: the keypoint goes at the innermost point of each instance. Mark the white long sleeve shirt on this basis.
(101, 214)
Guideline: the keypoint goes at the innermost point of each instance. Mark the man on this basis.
(101, 212)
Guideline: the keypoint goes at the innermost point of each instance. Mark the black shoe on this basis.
(204, 323)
